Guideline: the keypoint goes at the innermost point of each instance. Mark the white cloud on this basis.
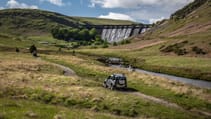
(119, 16)
(55, 2)
(135, 3)
(16, 4)
(1, 8)
(92, 5)
(151, 21)
(143, 10)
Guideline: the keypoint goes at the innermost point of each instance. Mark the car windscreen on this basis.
(121, 78)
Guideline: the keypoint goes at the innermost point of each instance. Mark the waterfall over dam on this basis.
(116, 33)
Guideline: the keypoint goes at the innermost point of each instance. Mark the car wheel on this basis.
(104, 85)
(112, 87)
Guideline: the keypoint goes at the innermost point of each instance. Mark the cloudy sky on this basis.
(146, 11)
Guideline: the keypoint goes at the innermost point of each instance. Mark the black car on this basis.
(115, 81)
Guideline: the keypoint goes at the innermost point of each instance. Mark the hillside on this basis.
(28, 21)
(65, 82)
(179, 46)
(187, 32)
(100, 21)
(33, 21)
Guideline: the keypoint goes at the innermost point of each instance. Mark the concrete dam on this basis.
(116, 33)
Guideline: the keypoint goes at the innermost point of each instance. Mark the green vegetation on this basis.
(100, 21)
(11, 109)
(37, 88)
(74, 34)
(84, 92)
(41, 22)
(151, 59)
(182, 13)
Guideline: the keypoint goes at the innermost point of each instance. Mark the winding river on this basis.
(194, 82)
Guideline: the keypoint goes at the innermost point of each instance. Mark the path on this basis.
(66, 70)
(168, 104)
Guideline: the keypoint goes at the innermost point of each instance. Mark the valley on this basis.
(64, 80)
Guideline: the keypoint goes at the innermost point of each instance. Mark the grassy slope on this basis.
(34, 21)
(11, 109)
(38, 22)
(22, 77)
(100, 21)
(194, 29)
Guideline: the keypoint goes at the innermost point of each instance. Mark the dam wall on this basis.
(116, 33)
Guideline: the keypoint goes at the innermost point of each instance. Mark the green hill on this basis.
(28, 21)
(179, 46)
(187, 32)
(100, 21)
(33, 21)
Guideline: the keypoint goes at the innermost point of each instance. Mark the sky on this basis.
(144, 11)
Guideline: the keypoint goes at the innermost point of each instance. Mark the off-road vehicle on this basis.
(115, 81)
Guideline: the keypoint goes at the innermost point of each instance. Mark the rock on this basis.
(31, 114)
(95, 108)
(58, 116)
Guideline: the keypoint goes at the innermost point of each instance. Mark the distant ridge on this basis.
(34, 21)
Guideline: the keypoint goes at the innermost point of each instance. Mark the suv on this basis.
(115, 81)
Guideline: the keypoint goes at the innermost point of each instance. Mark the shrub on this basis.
(17, 49)
(116, 111)
(198, 50)
(176, 48)
(132, 112)
(70, 102)
(114, 44)
(32, 49)
(105, 45)
(46, 97)
(180, 51)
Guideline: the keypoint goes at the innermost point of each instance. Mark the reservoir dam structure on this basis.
(116, 33)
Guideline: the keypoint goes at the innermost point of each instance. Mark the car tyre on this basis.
(104, 85)
(112, 87)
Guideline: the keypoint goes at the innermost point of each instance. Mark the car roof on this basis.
(119, 75)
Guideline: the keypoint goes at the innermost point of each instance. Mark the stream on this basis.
(194, 82)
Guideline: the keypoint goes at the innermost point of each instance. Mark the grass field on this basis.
(34, 81)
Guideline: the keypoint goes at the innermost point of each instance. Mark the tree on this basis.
(17, 49)
(33, 50)
(74, 33)
(115, 44)
(92, 33)
(84, 34)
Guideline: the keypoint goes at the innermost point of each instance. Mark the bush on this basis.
(105, 46)
(70, 102)
(180, 51)
(32, 49)
(114, 44)
(125, 42)
(116, 111)
(198, 50)
(176, 48)
(46, 97)
(17, 49)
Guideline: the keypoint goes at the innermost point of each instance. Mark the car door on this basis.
(109, 81)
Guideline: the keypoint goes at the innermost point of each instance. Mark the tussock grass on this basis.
(82, 92)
